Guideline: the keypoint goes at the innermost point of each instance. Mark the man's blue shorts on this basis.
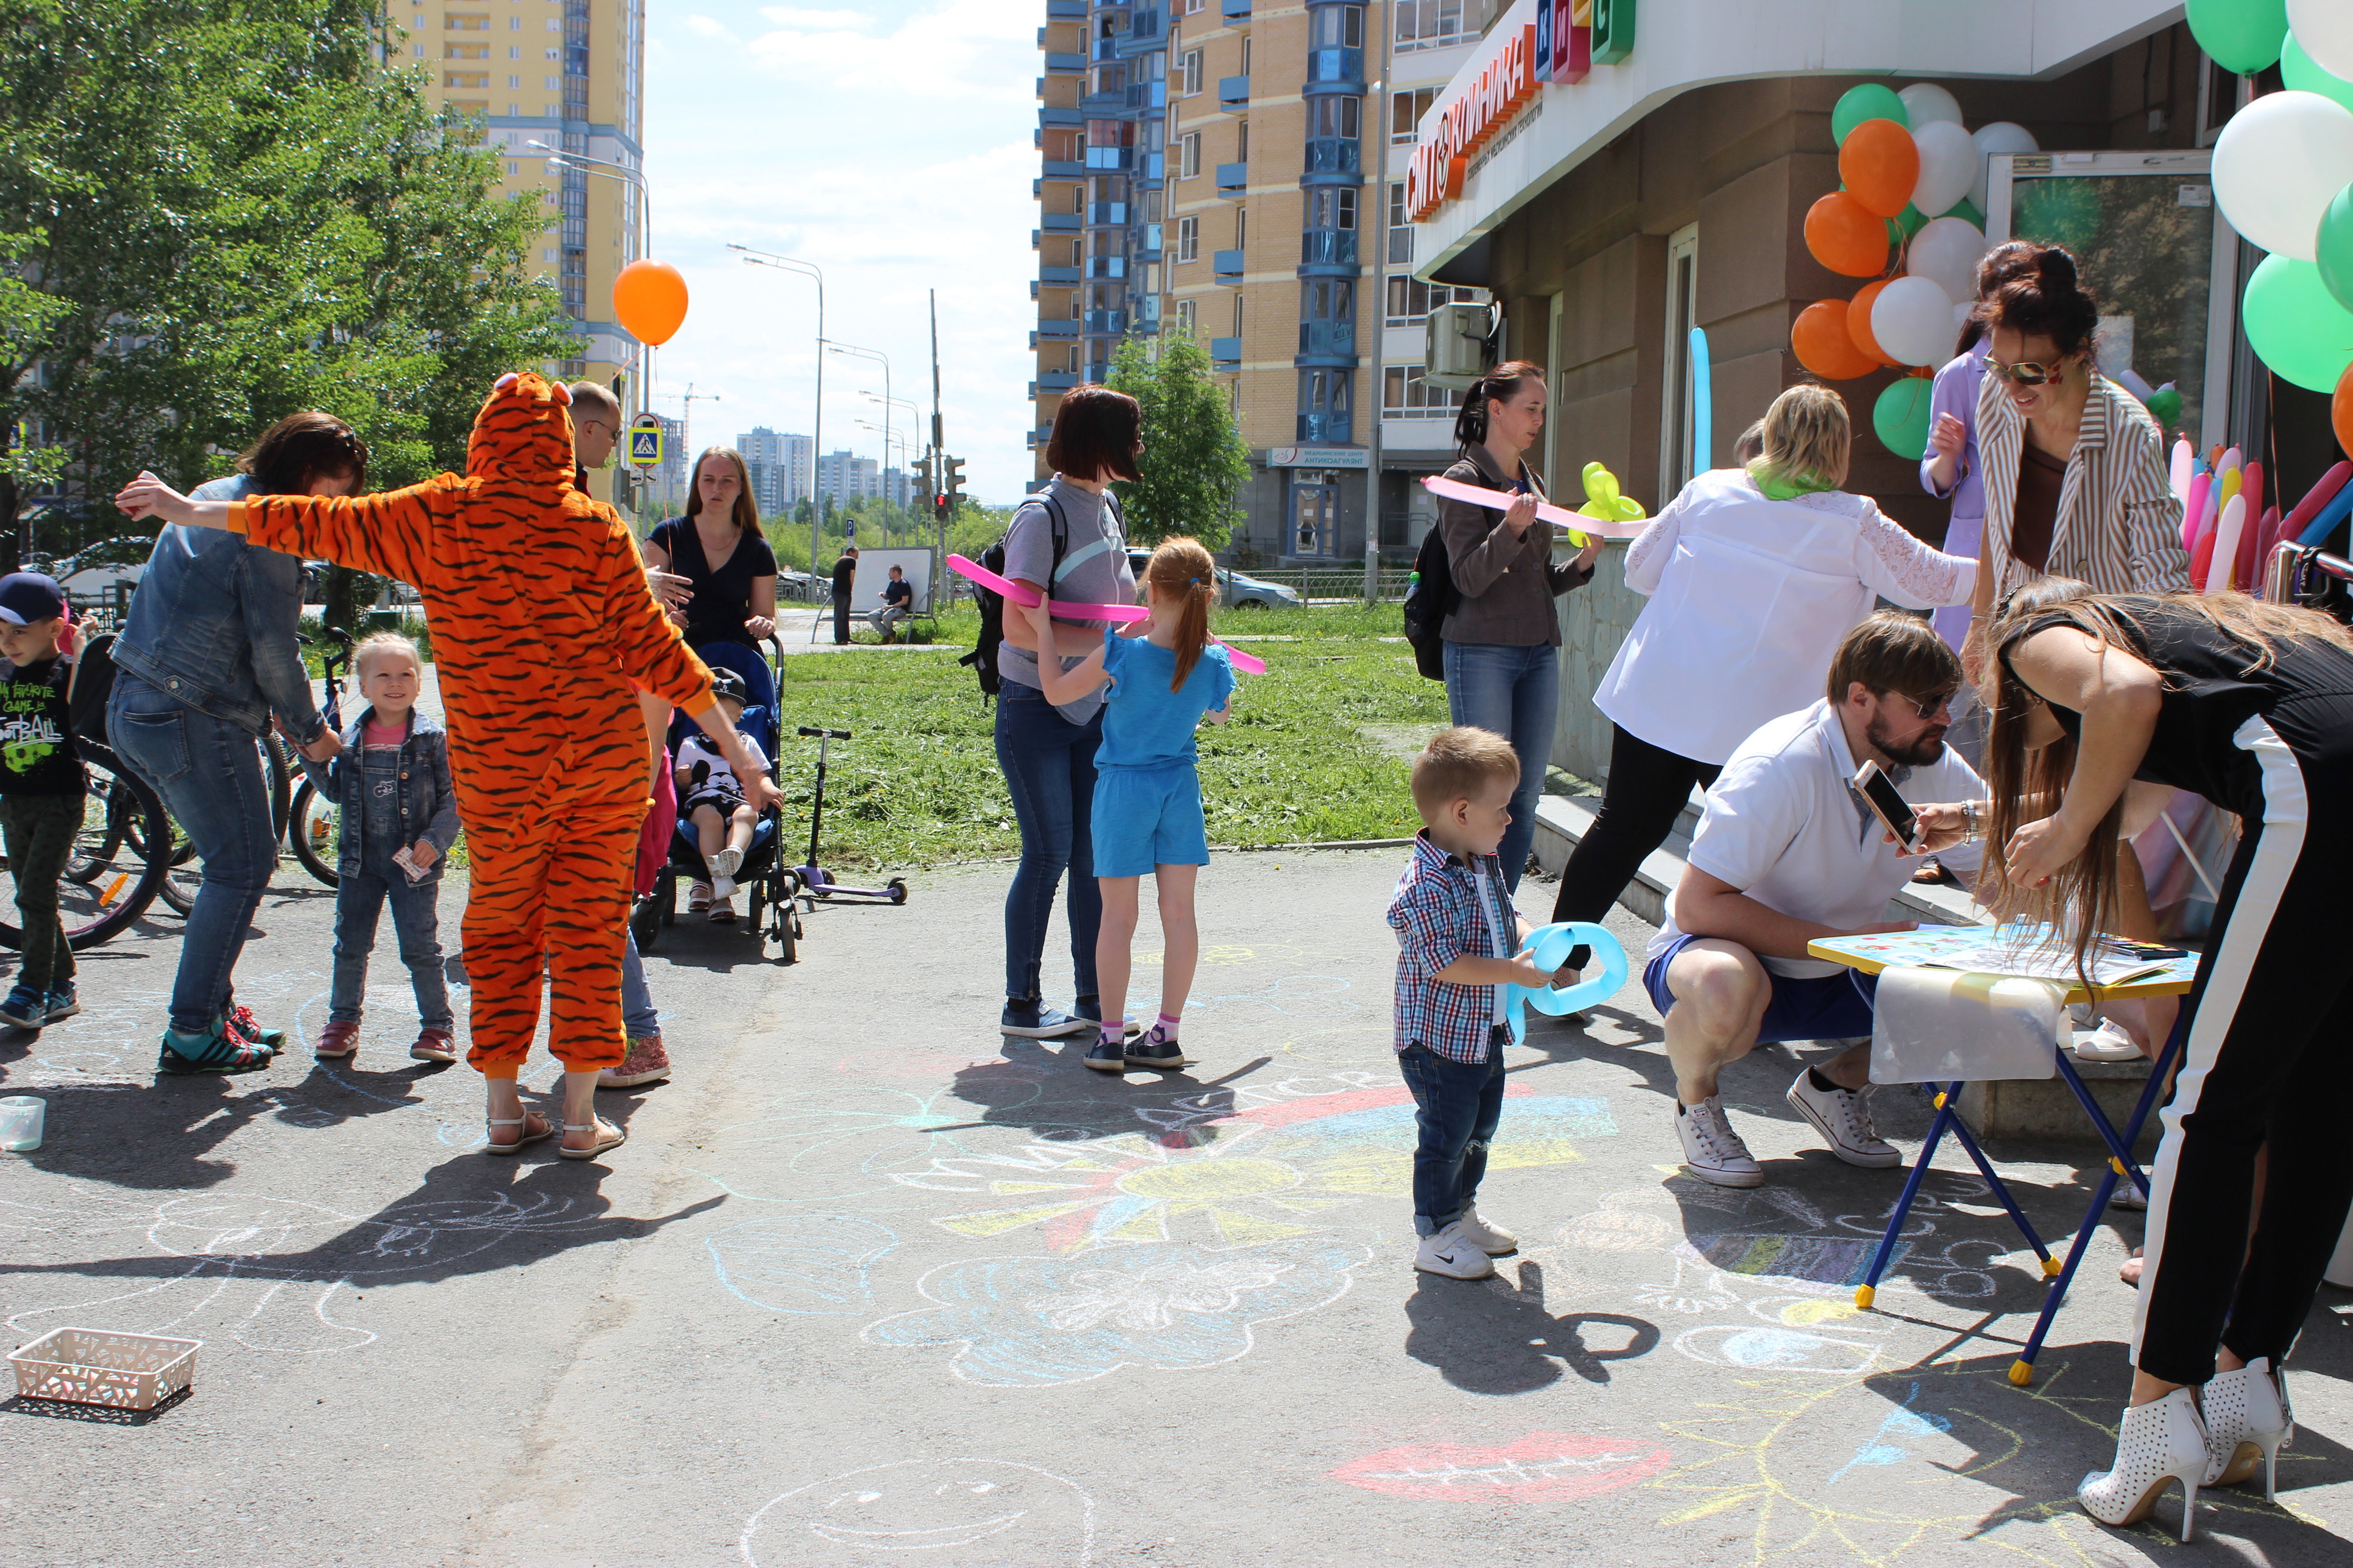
(1827, 1008)
(1148, 816)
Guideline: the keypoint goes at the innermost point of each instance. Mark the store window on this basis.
(1430, 25)
(1314, 513)
(1678, 427)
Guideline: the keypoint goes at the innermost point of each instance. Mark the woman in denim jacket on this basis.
(399, 815)
(209, 656)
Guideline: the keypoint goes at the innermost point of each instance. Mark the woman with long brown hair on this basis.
(2250, 705)
(718, 548)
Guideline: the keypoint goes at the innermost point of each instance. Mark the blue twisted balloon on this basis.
(1550, 946)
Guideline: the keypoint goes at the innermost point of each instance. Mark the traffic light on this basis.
(951, 486)
(924, 485)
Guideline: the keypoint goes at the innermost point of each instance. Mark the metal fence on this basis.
(1336, 584)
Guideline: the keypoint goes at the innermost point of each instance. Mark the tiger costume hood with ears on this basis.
(523, 434)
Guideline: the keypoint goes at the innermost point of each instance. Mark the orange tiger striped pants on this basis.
(549, 877)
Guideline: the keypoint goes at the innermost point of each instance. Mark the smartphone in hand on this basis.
(1879, 792)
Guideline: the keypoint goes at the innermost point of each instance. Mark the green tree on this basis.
(229, 210)
(1193, 460)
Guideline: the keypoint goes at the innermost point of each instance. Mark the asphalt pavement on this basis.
(870, 1284)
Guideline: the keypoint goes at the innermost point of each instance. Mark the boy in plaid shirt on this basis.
(1457, 931)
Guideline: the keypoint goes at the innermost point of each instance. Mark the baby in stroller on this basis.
(711, 797)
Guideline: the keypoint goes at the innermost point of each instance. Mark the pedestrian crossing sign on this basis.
(645, 442)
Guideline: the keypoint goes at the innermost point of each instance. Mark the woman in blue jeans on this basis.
(1503, 637)
(209, 655)
(1066, 540)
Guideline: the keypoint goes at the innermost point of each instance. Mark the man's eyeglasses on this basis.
(2026, 373)
(1925, 707)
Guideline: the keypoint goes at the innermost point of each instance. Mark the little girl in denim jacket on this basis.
(399, 814)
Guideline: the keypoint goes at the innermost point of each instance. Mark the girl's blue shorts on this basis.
(1148, 816)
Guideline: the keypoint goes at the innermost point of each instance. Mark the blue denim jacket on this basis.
(213, 622)
(429, 804)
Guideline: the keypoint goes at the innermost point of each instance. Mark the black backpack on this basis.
(87, 690)
(983, 658)
(1431, 600)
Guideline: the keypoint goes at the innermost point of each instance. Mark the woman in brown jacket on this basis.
(1502, 639)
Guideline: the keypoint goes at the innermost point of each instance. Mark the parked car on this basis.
(92, 572)
(1235, 590)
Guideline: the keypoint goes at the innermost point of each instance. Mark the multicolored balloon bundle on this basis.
(2283, 177)
(1913, 188)
(2221, 491)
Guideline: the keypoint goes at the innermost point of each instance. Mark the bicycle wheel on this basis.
(125, 832)
(315, 833)
(182, 875)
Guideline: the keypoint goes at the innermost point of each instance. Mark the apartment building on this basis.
(782, 466)
(1260, 147)
(541, 74)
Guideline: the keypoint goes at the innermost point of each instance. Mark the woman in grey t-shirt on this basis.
(1048, 753)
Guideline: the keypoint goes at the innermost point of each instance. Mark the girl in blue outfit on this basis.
(1147, 802)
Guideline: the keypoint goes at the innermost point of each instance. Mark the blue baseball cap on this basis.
(28, 596)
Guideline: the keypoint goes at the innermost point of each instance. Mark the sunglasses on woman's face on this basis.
(2026, 373)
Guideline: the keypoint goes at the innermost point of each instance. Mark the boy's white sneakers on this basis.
(725, 863)
(1844, 1123)
(721, 888)
(1492, 1240)
(1452, 1253)
(1711, 1151)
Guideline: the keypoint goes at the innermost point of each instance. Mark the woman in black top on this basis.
(718, 548)
(2250, 705)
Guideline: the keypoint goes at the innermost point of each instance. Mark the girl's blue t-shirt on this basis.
(1146, 725)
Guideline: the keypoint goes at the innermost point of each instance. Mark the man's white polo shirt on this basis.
(1784, 825)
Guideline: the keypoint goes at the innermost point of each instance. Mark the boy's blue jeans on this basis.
(1459, 1105)
(415, 916)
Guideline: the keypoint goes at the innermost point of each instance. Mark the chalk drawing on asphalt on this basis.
(1543, 1467)
(815, 1264)
(926, 1510)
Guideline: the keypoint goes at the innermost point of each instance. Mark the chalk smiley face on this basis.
(885, 1512)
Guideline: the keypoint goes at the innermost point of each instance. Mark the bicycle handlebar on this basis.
(829, 734)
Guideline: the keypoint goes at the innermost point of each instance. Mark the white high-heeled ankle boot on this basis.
(2161, 1441)
(2247, 1418)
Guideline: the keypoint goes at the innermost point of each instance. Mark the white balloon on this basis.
(2001, 136)
(2325, 28)
(1949, 162)
(1945, 251)
(2278, 163)
(1913, 321)
(1926, 103)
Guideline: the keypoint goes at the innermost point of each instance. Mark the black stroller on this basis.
(768, 886)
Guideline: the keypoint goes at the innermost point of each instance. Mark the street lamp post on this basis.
(632, 177)
(889, 437)
(853, 351)
(817, 420)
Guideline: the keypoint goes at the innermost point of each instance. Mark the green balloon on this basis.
(2293, 325)
(2336, 247)
(1901, 416)
(1869, 101)
(2300, 74)
(1968, 209)
(2244, 35)
(2165, 407)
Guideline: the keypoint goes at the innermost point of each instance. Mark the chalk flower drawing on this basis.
(1031, 1322)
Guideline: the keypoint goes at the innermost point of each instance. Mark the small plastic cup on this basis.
(21, 1116)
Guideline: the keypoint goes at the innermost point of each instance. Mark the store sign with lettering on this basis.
(1567, 38)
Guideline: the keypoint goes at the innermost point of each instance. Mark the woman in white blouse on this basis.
(1754, 577)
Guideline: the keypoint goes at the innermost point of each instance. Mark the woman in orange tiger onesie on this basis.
(545, 633)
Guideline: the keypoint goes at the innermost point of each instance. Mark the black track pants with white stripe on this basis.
(2270, 1059)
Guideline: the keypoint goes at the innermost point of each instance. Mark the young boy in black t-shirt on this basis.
(41, 790)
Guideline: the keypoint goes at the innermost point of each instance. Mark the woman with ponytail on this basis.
(1147, 799)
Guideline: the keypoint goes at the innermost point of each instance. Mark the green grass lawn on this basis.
(919, 785)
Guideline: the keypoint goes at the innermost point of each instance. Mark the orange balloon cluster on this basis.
(649, 301)
(1880, 163)
(1824, 344)
(1847, 237)
(1847, 232)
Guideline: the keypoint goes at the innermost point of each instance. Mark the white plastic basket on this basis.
(96, 1366)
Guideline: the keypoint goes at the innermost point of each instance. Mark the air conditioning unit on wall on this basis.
(1457, 345)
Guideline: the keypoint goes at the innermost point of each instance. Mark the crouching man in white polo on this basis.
(1788, 852)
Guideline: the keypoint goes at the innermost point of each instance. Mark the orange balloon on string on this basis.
(1847, 237)
(1880, 163)
(1821, 342)
(1858, 321)
(2340, 410)
(649, 301)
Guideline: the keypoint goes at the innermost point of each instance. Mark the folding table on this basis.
(1872, 954)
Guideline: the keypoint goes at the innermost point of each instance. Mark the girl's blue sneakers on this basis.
(25, 1008)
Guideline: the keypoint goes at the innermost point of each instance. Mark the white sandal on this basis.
(547, 1129)
(2157, 1443)
(620, 1136)
(697, 897)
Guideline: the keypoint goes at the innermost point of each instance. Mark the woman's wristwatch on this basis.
(1972, 821)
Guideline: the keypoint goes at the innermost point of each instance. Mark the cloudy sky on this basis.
(889, 142)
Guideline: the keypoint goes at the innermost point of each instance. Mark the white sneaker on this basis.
(1490, 1239)
(725, 863)
(1844, 1123)
(2129, 1196)
(1711, 1151)
(2107, 1043)
(1454, 1254)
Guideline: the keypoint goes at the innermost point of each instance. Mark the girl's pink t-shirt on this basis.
(375, 734)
